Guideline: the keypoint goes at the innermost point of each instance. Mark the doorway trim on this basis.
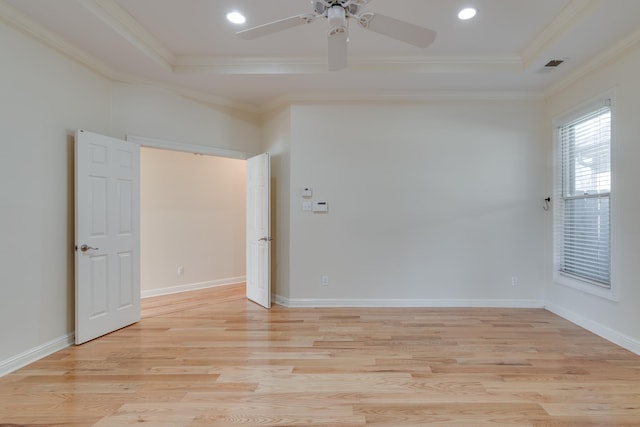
(188, 148)
(195, 149)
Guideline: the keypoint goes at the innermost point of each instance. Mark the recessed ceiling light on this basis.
(236, 17)
(467, 13)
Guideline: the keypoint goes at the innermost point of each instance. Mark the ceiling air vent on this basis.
(553, 63)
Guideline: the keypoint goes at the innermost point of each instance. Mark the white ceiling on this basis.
(188, 46)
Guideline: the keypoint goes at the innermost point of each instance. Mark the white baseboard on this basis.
(599, 329)
(381, 302)
(605, 332)
(32, 355)
(191, 287)
(16, 362)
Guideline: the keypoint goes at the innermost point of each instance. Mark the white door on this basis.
(259, 230)
(107, 208)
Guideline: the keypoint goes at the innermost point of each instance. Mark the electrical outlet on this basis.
(514, 280)
(180, 271)
(324, 280)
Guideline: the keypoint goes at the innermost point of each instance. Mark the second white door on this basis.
(259, 230)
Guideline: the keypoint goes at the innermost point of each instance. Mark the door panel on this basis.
(259, 230)
(107, 203)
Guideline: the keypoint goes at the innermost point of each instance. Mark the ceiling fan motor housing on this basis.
(322, 7)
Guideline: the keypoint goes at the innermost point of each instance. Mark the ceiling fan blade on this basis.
(397, 29)
(338, 50)
(274, 27)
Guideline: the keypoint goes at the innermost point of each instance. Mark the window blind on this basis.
(586, 188)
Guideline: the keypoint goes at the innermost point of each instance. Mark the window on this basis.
(583, 217)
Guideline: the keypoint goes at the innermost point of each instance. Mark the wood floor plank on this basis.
(210, 357)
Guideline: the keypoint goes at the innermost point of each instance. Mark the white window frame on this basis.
(558, 276)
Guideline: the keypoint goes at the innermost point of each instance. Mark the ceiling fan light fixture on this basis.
(337, 17)
(236, 17)
(467, 13)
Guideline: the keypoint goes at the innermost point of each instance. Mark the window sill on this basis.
(586, 287)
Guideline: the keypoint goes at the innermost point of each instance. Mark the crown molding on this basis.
(22, 23)
(36, 31)
(200, 65)
(567, 19)
(121, 22)
(204, 64)
(632, 41)
(399, 98)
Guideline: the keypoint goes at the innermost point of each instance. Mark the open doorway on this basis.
(192, 216)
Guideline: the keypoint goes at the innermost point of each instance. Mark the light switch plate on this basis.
(320, 206)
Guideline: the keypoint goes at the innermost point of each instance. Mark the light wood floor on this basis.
(208, 358)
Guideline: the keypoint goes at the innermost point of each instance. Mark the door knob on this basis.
(85, 248)
(265, 239)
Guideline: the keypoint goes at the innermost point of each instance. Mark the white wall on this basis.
(428, 204)
(276, 139)
(149, 112)
(617, 320)
(44, 98)
(192, 215)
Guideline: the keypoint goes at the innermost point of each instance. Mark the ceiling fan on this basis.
(338, 13)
